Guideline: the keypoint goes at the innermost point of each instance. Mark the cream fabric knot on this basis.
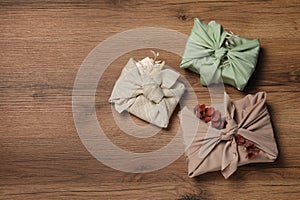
(153, 92)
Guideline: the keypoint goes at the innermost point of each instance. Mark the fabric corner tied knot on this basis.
(221, 53)
(230, 131)
(153, 92)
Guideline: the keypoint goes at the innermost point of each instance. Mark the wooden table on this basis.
(42, 45)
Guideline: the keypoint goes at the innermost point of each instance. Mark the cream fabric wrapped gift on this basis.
(147, 91)
(212, 149)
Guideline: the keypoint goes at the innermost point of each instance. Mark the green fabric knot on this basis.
(220, 53)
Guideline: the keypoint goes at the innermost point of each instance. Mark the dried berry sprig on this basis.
(250, 147)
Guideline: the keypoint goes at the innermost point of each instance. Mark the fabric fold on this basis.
(214, 149)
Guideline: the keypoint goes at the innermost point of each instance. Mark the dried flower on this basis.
(216, 116)
(240, 139)
(208, 114)
(209, 111)
(250, 147)
(202, 108)
(216, 124)
(207, 119)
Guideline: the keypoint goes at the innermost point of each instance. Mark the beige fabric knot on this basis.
(230, 130)
(153, 92)
(226, 137)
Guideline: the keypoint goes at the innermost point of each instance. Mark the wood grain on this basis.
(42, 45)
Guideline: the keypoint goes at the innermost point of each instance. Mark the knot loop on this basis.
(230, 130)
(226, 137)
(153, 92)
(220, 53)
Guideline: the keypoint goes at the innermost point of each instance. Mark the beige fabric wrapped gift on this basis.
(147, 91)
(212, 149)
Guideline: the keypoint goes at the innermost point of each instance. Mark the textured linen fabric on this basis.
(212, 149)
(147, 91)
(218, 55)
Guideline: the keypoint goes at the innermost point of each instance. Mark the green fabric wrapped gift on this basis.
(219, 55)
